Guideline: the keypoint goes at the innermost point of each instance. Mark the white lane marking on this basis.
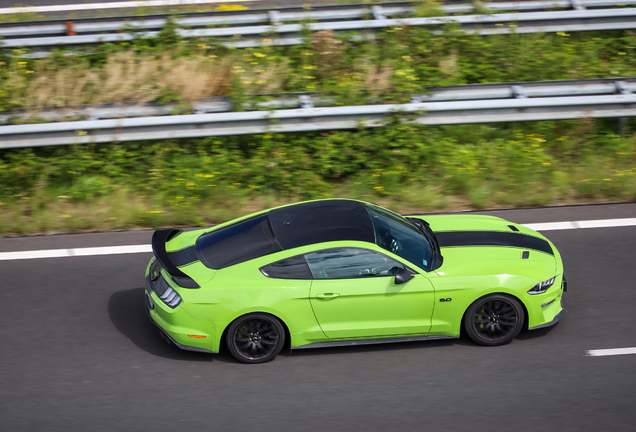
(144, 248)
(52, 253)
(61, 253)
(610, 352)
(599, 223)
(549, 226)
(111, 250)
(607, 223)
(116, 5)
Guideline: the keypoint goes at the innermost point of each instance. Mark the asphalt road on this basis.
(119, 12)
(78, 354)
(252, 4)
(18, 3)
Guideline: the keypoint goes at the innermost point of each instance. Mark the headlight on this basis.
(541, 287)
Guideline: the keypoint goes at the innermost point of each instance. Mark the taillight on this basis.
(166, 293)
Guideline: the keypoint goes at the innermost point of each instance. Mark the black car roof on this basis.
(285, 228)
(321, 221)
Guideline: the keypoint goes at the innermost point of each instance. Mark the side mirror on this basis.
(402, 275)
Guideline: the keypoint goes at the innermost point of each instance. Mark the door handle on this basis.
(328, 296)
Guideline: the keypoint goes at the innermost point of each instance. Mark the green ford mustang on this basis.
(342, 272)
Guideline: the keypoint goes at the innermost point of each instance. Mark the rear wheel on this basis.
(255, 338)
(494, 320)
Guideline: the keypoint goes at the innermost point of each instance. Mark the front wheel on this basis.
(494, 320)
(255, 338)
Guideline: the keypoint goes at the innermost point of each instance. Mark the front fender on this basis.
(453, 296)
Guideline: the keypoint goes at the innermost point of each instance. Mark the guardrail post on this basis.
(70, 28)
(378, 12)
(274, 17)
(306, 101)
(576, 5)
(518, 93)
(622, 121)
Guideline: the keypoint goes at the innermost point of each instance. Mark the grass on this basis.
(126, 77)
(128, 210)
(408, 168)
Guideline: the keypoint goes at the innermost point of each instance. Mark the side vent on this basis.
(525, 255)
(514, 228)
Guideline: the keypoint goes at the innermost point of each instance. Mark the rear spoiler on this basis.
(159, 240)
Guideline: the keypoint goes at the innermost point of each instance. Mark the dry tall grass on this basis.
(378, 79)
(448, 66)
(126, 77)
(130, 77)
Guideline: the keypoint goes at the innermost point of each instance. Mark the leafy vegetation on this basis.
(407, 167)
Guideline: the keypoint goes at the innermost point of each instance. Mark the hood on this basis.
(471, 222)
(484, 245)
(459, 230)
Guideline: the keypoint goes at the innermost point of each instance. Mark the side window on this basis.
(347, 263)
(289, 268)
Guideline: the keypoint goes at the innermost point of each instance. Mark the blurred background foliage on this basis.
(404, 166)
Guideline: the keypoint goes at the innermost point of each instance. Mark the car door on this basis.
(354, 295)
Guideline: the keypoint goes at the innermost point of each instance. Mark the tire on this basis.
(255, 338)
(493, 320)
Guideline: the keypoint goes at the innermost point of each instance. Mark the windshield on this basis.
(395, 234)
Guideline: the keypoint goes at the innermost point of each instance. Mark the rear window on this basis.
(243, 241)
(288, 268)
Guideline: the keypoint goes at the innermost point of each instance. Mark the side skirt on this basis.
(330, 344)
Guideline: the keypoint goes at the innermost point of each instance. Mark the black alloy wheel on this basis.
(255, 338)
(494, 320)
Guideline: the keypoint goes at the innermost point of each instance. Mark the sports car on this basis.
(340, 272)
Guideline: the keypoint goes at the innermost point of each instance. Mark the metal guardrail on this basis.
(144, 109)
(283, 15)
(589, 87)
(251, 31)
(490, 103)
